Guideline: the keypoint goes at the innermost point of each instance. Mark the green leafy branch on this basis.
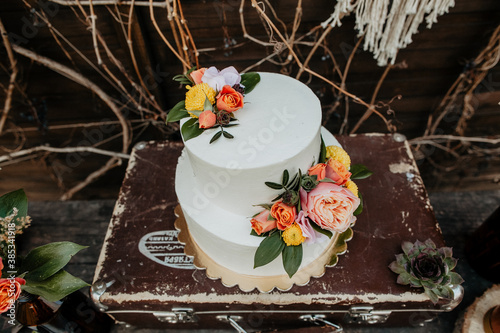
(43, 267)
(43, 271)
(274, 245)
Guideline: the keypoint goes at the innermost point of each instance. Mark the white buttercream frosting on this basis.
(217, 184)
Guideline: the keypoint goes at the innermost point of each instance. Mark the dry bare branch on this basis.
(162, 4)
(13, 75)
(79, 78)
(112, 162)
(30, 151)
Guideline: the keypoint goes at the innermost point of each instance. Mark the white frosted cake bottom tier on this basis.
(225, 236)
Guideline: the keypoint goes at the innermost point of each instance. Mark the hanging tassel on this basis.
(388, 26)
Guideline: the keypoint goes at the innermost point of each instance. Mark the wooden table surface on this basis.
(85, 222)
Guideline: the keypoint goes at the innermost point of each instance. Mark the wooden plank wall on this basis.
(434, 60)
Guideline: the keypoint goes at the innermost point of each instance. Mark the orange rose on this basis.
(9, 292)
(318, 170)
(197, 75)
(229, 99)
(285, 215)
(337, 172)
(330, 206)
(261, 224)
(207, 119)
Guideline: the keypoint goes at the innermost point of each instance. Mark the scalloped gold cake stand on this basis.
(247, 283)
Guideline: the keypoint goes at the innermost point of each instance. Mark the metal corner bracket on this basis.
(97, 290)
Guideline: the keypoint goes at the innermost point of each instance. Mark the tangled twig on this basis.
(13, 75)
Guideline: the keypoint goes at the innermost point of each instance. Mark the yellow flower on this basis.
(293, 235)
(338, 154)
(195, 97)
(351, 186)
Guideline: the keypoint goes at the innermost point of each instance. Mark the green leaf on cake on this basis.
(228, 135)
(359, 171)
(264, 234)
(183, 79)
(215, 137)
(249, 81)
(317, 228)
(265, 206)
(196, 113)
(278, 197)
(285, 177)
(190, 129)
(13, 199)
(177, 112)
(322, 154)
(207, 105)
(359, 210)
(269, 249)
(274, 186)
(292, 258)
(292, 185)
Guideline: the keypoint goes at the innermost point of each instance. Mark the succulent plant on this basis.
(308, 183)
(422, 265)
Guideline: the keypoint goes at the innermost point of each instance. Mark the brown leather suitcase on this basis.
(144, 279)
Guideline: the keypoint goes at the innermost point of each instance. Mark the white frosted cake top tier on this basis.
(279, 128)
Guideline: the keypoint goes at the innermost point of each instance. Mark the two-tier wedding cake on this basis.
(233, 187)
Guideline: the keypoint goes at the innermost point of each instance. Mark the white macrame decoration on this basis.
(388, 25)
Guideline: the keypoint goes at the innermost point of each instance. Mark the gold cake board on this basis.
(247, 283)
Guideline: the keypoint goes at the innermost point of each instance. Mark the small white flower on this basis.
(217, 79)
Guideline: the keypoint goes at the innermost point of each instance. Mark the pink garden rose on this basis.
(217, 79)
(207, 119)
(330, 206)
(197, 75)
(261, 224)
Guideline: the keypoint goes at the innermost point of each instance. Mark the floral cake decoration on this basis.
(321, 201)
(212, 97)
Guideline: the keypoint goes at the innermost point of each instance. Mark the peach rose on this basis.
(207, 119)
(9, 292)
(337, 172)
(229, 99)
(197, 75)
(318, 170)
(285, 215)
(330, 206)
(261, 224)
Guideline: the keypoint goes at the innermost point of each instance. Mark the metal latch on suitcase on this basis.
(366, 315)
(177, 315)
(319, 319)
(232, 320)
